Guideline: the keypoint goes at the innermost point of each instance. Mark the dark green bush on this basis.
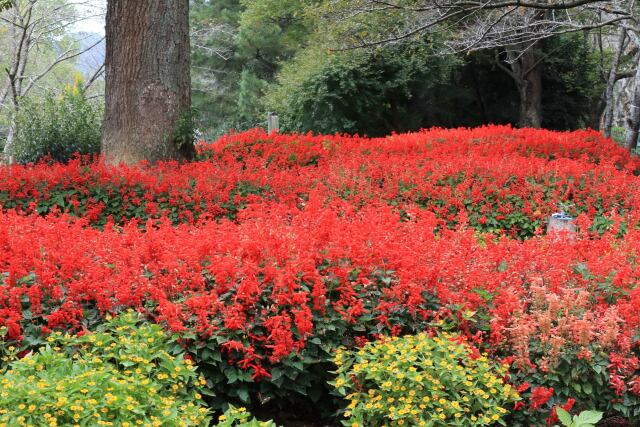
(57, 126)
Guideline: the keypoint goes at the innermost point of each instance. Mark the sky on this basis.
(95, 9)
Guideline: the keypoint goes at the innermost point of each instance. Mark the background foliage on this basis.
(57, 126)
(281, 59)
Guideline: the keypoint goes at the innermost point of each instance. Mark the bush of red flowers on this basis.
(272, 251)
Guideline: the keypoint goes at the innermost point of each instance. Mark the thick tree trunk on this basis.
(611, 83)
(527, 71)
(633, 122)
(525, 67)
(530, 90)
(148, 84)
(596, 113)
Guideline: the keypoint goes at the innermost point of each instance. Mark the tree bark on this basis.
(611, 83)
(633, 122)
(8, 144)
(596, 113)
(526, 70)
(20, 30)
(148, 83)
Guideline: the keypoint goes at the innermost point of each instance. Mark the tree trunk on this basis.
(633, 122)
(611, 83)
(8, 145)
(527, 71)
(596, 113)
(148, 84)
(478, 93)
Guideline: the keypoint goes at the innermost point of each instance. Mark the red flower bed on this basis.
(334, 240)
(494, 178)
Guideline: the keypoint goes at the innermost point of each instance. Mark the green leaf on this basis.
(276, 373)
(589, 417)
(243, 394)
(315, 393)
(232, 376)
(563, 416)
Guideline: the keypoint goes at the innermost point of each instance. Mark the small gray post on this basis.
(559, 222)
(273, 123)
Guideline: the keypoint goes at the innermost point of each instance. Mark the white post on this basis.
(273, 123)
(8, 157)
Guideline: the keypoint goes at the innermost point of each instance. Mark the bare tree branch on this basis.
(469, 25)
(65, 56)
(96, 75)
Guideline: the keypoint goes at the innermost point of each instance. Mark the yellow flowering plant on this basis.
(240, 417)
(8, 350)
(421, 381)
(120, 375)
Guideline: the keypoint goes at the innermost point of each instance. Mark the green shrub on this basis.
(421, 381)
(57, 127)
(120, 375)
(372, 93)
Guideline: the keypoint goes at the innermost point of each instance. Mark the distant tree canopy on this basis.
(238, 48)
(406, 87)
(281, 56)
